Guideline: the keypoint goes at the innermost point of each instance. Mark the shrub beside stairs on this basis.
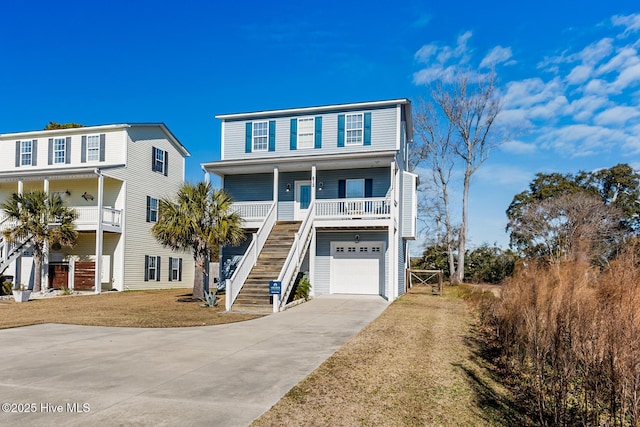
(254, 296)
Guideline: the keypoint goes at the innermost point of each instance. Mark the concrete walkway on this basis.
(224, 375)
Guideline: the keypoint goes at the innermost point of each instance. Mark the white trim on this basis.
(312, 110)
(254, 136)
(222, 132)
(359, 141)
(398, 128)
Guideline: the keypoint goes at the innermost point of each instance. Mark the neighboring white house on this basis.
(323, 190)
(113, 176)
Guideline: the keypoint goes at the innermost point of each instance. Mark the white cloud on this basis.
(627, 78)
(497, 55)
(631, 22)
(425, 53)
(503, 175)
(518, 147)
(616, 116)
(579, 74)
(625, 58)
(530, 92)
(443, 62)
(595, 52)
(579, 140)
(583, 109)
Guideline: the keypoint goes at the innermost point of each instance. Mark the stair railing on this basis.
(294, 259)
(10, 250)
(250, 258)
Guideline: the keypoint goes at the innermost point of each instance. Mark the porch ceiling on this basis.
(374, 159)
(57, 173)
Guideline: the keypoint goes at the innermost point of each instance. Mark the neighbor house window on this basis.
(26, 153)
(59, 150)
(151, 268)
(159, 161)
(152, 209)
(175, 269)
(260, 136)
(93, 148)
(355, 188)
(306, 132)
(354, 127)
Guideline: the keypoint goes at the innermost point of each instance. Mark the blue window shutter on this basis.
(318, 134)
(272, 135)
(17, 153)
(67, 150)
(367, 129)
(158, 269)
(148, 209)
(102, 144)
(293, 139)
(342, 189)
(248, 143)
(166, 163)
(146, 268)
(34, 153)
(340, 130)
(83, 147)
(368, 187)
(50, 156)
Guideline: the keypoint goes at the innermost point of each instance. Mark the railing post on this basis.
(255, 249)
(228, 294)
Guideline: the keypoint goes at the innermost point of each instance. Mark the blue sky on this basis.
(570, 75)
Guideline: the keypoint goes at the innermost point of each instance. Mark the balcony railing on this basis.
(370, 207)
(89, 216)
(252, 210)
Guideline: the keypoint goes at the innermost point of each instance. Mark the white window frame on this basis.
(349, 195)
(159, 162)
(153, 209)
(26, 154)
(354, 129)
(93, 148)
(260, 137)
(152, 268)
(60, 154)
(174, 269)
(306, 132)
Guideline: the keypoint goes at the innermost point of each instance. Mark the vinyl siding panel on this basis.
(323, 255)
(249, 188)
(138, 238)
(381, 180)
(383, 136)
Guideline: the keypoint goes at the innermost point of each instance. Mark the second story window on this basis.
(159, 161)
(26, 153)
(354, 129)
(260, 136)
(152, 209)
(59, 150)
(93, 148)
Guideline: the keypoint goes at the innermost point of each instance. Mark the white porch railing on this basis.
(88, 215)
(295, 257)
(370, 207)
(235, 283)
(252, 210)
(9, 251)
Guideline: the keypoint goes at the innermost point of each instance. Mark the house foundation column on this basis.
(276, 179)
(99, 237)
(312, 262)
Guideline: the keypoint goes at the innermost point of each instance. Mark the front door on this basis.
(302, 200)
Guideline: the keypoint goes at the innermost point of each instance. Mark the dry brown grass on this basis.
(416, 365)
(141, 309)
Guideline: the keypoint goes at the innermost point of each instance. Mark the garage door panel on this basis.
(357, 269)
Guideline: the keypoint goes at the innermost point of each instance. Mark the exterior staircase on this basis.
(254, 296)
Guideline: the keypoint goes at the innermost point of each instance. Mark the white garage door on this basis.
(357, 268)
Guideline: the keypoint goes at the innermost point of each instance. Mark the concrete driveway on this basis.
(225, 375)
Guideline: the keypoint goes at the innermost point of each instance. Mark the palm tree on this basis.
(201, 220)
(43, 219)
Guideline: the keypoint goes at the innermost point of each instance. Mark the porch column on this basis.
(17, 275)
(20, 186)
(45, 259)
(312, 262)
(276, 176)
(313, 183)
(98, 263)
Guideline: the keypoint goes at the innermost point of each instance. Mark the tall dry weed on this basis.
(572, 334)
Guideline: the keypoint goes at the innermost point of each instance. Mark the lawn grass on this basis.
(418, 364)
(142, 309)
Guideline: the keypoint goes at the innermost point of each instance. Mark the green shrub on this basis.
(6, 288)
(303, 288)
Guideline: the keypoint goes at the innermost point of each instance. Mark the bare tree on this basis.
(460, 126)
(435, 147)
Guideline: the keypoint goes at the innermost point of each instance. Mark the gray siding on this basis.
(323, 255)
(249, 188)
(329, 178)
(383, 135)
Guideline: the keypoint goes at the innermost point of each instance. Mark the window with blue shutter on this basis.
(318, 133)
(248, 142)
(340, 130)
(293, 137)
(272, 135)
(367, 128)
